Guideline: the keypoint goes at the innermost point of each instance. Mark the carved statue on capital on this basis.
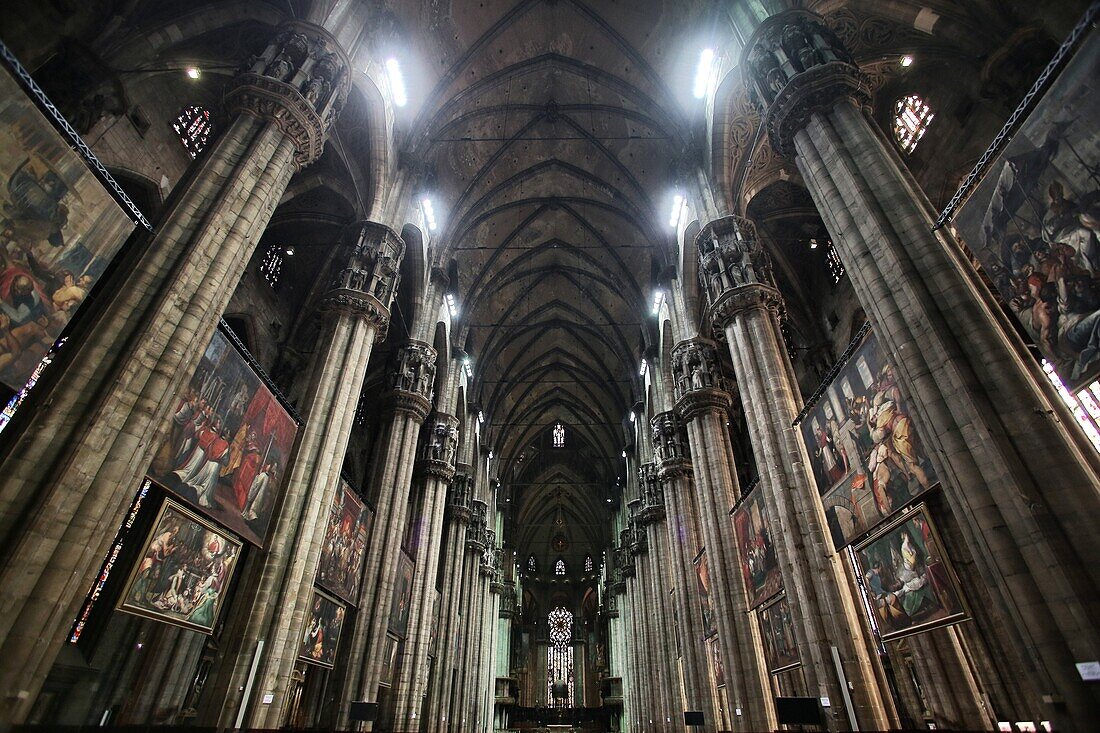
(669, 446)
(439, 446)
(366, 273)
(415, 370)
(458, 497)
(731, 256)
(300, 82)
(695, 367)
(795, 64)
(653, 494)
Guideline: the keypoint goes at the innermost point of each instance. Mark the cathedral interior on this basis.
(529, 365)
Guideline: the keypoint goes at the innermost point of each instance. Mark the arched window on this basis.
(559, 436)
(532, 564)
(559, 658)
(588, 564)
(911, 119)
(559, 567)
(193, 126)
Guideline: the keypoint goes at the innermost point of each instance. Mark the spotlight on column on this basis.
(468, 367)
(452, 305)
(658, 301)
(193, 72)
(704, 73)
(397, 82)
(906, 60)
(643, 369)
(429, 213)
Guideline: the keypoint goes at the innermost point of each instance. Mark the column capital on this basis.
(653, 496)
(731, 256)
(734, 302)
(794, 65)
(670, 450)
(300, 82)
(698, 379)
(438, 447)
(365, 274)
(458, 497)
(412, 379)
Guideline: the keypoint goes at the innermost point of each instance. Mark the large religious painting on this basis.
(1034, 222)
(345, 544)
(702, 572)
(716, 663)
(865, 452)
(59, 228)
(230, 439)
(401, 605)
(389, 660)
(323, 628)
(184, 570)
(907, 577)
(777, 631)
(759, 564)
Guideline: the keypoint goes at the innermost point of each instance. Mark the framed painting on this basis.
(389, 660)
(907, 577)
(228, 445)
(401, 605)
(183, 572)
(59, 229)
(702, 573)
(777, 631)
(323, 629)
(759, 565)
(345, 544)
(1031, 221)
(867, 456)
(716, 667)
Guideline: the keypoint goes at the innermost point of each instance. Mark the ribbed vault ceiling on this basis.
(550, 131)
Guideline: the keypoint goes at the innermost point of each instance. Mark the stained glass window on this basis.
(559, 567)
(194, 127)
(272, 266)
(559, 658)
(836, 267)
(532, 564)
(911, 119)
(559, 436)
(588, 565)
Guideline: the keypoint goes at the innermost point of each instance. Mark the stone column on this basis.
(490, 569)
(640, 697)
(479, 538)
(356, 310)
(997, 429)
(662, 641)
(410, 400)
(75, 468)
(822, 609)
(435, 469)
(450, 621)
(704, 409)
(668, 487)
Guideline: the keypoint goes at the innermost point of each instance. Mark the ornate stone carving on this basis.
(734, 302)
(439, 446)
(653, 495)
(698, 379)
(477, 531)
(507, 600)
(730, 256)
(670, 451)
(412, 378)
(458, 497)
(366, 274)
(491, 558)
(794, 64)
(300, 82)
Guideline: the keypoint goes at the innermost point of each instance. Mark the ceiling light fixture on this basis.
(468, 367)
(452, 305)
(193, 72)
(429, 213)
(397, 82)
(643, 368)
(677, 210)
(703, 73)
(906, 60)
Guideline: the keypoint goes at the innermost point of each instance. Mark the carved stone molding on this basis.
(477, 532)
(458, 497)
(300, 82)
(739, 300)
(795, 65)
